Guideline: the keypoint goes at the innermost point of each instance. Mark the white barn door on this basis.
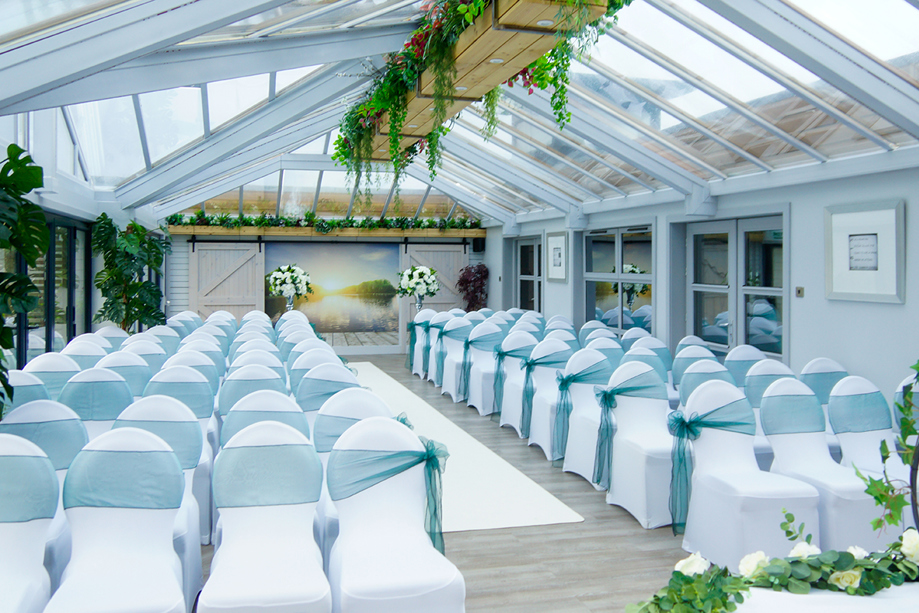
(226, 276)
(447, 260)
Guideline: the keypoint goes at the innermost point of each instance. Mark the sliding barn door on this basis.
(226, 276)
(447, 260)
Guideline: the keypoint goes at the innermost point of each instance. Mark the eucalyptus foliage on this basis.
(22, 230)
(129, 256)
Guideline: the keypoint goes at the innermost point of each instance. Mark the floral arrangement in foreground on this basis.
(431, 48)
(698, 585)
(418, 281)
(323, 226)
(289, 281)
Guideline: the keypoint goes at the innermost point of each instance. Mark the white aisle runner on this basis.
(481, 491)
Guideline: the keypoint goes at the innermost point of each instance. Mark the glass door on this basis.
(529, 274)
(736, 284)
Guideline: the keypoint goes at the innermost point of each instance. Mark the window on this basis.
(618, 270)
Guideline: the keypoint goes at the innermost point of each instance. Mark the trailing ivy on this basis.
(323, 226)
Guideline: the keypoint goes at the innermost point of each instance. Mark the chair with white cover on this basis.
(698, 373)
(321, 383)
(192, 389)
(660, 349)
(560, 324)
(188, 319)
(631, 335)
(288, 342)
(26, 388)
(794, 422)
(448, 356)
(739, 360)
(199, 362)
(58, 431)
(527, 326)
(255, 315)
(475, 317)
(259, 356)
(28, 501)
(304, 346)
(96, 339)
(211, 349)
(244, 381)
(516, 313)
(589, 327)
(267, 481)
(686, 341)
(435, 327)
(602, 333)
(208, 335)
(561, 318)
(227, 325)
(121, 495)
(688, 355)
(252, 345)
(337, 414)
(98, 396)
(486, 311)
(263, 405)
(194, 317)
(113, 334)
(417, 340)
(821, 374)
(153, 354)
(504, 321)
(181, 325)
(631, 443)
(539, 371)
(532, 317)
(727, 505)
(642, 316)
(142, 336)
(389, 515)
(174, 422)
(609, 347)
(293, 314)
(309, 360)
(618, 318)
(54, 370)
(221, 316)
(649, 357)
(242, 338)
(760, 376)
(566, 335)
(218, 333)
(132, 368)
(555, 400)
(84, 353)
(516, 347)
(861, 419)
(170, 338)
(294, 325)
(477, 369)
(261, 327)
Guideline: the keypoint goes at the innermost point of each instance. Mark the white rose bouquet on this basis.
(289, 281)
(633, 289)
(418, 281)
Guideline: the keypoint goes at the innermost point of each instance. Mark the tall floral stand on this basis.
(418, 302)
(290, 303)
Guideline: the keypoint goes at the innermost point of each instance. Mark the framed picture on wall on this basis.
(557, 256)
(865, 252)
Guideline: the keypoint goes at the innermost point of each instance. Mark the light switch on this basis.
(799, 292)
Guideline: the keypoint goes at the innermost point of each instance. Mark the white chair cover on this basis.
(96, 339)
(589, 327)
(122, 494)
(259, 356)
(698, 373)
(309, 360)
(169, 337)
(246, 380)
(228, 325)
(733, 505)
(793, 420)
(304, 346)
(320, 384)
(84, 353)
(555, 318)
(475, 317)
(26, 388)
(527, 326)
(211, 349)
(152, 353)
(54, 370)
(821, 374)
(267, 481)
(418, 340)
(132, 368)
(114, 335)
(477, 370)
(288, 342)
(435, 325)
(194, 317)
(508, 389)
(686, 341)
(444, 368)
(383, 561)
(199, 362)
(760, 376)
(601, 333)
(218, 333)
(631, 335)
(98, 396)
(173, 422)
(244, 337)
(260, 327)
(539, 372)
(255, 315)
(686, 356)
(564, 334)
(142, 336)
(28, 500)
(59, 433)
(739, 360)
(183, 326)
(263, 405)
(261, 344)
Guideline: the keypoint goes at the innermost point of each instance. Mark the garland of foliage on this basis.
(431, 48)
(323, 226)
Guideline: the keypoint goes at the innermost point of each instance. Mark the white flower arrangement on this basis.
(695, 564)
(418, 281)
(289, 281)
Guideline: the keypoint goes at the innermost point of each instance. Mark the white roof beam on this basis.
(495, 192)
(467, 198)
(37, 65)
(188, 65)
(837, 62)
(319, 90)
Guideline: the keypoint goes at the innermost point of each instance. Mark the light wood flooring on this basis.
(601, 564)
(358, 339)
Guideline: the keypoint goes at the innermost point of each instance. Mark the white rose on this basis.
(858, 552)
(693, 565)
(753, 563)
(910, 546)
(846, 578)
(803, 550)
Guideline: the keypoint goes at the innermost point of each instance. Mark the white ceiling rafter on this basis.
(322, 87)
(189, 65)
(463, 196)
(39, 64)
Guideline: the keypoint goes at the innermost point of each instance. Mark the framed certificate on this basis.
(557, 256)
(866, 252)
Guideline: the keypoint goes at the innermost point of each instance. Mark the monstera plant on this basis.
(22, 230)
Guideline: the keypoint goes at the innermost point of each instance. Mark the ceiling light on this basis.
(495, 60)
(412, 125)
(461, 88)
(545, 23)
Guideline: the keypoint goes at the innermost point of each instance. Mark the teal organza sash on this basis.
(235, 421)
(500, 374)
(312, 393)
(440, 352)
(681, 364)
(487, 342)
(821, 383)
(124, 480)
(138, 376)
(403, 419)
(613, 354)
(735, 416)
(792, 414)
(651, 360)
(27, 393)
(553, 360)
(666, 358)
(328, 428)
(351, 471)
(54, 381)
(573, 344)
(97, 400)
(596, 374)
(755, 386)
(29, 488)
(61, 439)
(412, 339)
(267, 475)
(644, 385)
(234, 390)
(692, 380)
(196, 395)
(427, 343)
(738, 369)
(183, 436)
(859, 413)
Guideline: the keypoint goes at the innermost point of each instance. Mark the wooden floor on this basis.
(357, 339)
(602, 564)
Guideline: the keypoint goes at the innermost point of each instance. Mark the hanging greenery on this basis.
(431, 48)
(323, 226)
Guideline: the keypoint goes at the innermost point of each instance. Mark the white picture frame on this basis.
(866, 252)
(557, 257)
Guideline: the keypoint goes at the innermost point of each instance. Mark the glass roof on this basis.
(23, 16)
